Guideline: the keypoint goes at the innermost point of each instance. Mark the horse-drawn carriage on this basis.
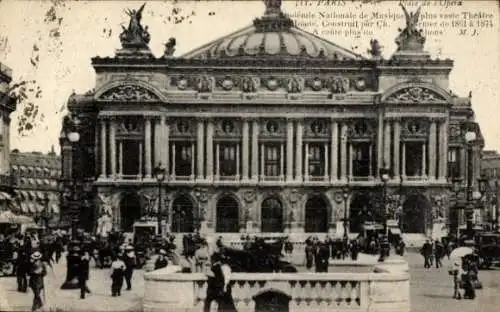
(261, 257)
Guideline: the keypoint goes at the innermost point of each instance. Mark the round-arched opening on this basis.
(316, 215)
(183, 215)
(227, 215)
(271, 215)
(360, 211)
(272, 301)
(130, 211)
(414, 216)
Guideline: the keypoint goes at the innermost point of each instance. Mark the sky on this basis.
(52, 43)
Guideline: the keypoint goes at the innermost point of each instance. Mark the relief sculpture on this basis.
(415, 95)
(128, 93)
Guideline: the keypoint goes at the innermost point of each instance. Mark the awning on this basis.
(46, 181)
(395, 231)
(40, 195)
(5, 196)
(31, 181)
(23, 168)
(54, 208)
(53, 183)
(23, 180)
(32, 207)
(39, 207)
(31, 195)
(38, 169)
(14, 167)
(46, 170)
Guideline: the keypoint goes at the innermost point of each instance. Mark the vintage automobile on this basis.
(488, 249)
(261, 257)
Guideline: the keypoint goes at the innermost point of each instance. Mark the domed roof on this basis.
(272, 36)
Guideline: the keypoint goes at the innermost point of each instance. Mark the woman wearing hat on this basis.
(117, 274)
(37, 273)
(456, 271)
(161, 262)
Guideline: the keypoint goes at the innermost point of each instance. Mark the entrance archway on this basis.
(272, 301)
(271, 215)
(360, 210)
(316, 215)
(414, 217)
(227, 215)
(183, 215)
(130, 211)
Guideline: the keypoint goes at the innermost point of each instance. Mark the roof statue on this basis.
(411, 39)
(375, 49)
(135, 36)
(170, 47)
(273, 7)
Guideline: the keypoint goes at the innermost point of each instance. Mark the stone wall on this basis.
(385, 291)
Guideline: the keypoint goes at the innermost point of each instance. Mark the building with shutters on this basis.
(262, 130)
(37, 192)
(7, 106)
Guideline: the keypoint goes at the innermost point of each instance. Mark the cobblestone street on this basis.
(430, 291)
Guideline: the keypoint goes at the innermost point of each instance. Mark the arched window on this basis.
(316, 215)
(227, 215)
(183, 215)
(271, 215)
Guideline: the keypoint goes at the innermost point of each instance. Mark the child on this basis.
(117, 275)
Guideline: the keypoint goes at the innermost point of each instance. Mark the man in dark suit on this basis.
(83, 272)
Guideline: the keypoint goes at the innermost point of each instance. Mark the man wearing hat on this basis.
(37, 273)
(162, 261)
(130, 263)
(218, 288)
(83, 272)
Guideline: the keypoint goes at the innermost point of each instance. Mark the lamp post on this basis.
(160, 175)
(470, 137)
(45, 213)
(73, 138)
(456, 187)
(345, 194)
(384, 242)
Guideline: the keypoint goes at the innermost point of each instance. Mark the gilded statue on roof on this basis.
(410, 38)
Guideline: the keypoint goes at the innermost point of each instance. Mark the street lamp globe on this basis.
(73, 137)
(385, 177)
(470, 136)
(159, 173)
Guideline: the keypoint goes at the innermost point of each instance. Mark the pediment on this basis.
(415, 95)
(129, 93)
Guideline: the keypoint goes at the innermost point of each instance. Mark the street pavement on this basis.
(431, 290)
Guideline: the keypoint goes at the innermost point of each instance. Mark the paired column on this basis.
(158, 133)
(334, 151)
(397, 149)
(103, 149)
(255, 150)
(210, 150)
(387, 144)
(112, 144)
(306, 162)
(120, 159)
(343, 151)
(432, 149)
(380, 142)
(199, 150)
(147, 147)
(289, 150)
(246, 149)
(443, 150)
(165, 144)
(298, 151)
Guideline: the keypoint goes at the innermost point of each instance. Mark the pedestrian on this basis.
(162, 261)
(309, 254)
(438, 253)
(322, 257)
(37, 273)
(83, 273)
(130, 263)
(22, 266)
(456, 271)
(218, 286)
(426, 252)
(201, 256)
(118, 268)
(468, 277)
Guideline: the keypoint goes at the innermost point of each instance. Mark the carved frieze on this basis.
(455, 133)
(413, 95)
(338, 85)
(362, 129)
(183, 127)
(205, 84)
(130, 93)
(249, 196)
(272, 128)
(316, 83)
(129, 126)
(225, 83)
(295, 84)
(317, 128)
(201, 194)
(415, 128)
(228, 128)
(272, 83)
(249, 84)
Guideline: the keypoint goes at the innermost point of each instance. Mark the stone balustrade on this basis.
(168, 290)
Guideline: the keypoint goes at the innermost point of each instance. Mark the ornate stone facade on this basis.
(272, 149)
